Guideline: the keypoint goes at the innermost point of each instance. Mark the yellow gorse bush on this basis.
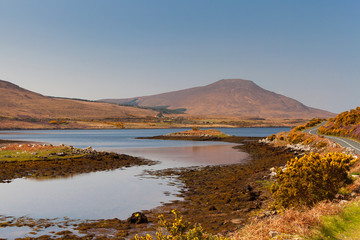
(178, 229)
(346, 124)
(310, 179)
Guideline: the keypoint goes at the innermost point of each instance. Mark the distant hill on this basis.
(16, 102)
(228, 97)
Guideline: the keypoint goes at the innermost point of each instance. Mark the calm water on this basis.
(115, 193)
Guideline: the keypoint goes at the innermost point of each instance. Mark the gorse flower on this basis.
(178, 229)
(311, 178)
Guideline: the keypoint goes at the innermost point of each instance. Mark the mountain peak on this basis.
(233, 81)
(229, 97)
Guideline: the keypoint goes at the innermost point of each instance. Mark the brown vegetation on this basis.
(305, 181)
(306, 142)
(221, 198)
(289, 224)
(346, 124)
(21, 104)
(55, 163)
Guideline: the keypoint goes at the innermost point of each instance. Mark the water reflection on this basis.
(109, 194)
(97, 195)
(189, 156)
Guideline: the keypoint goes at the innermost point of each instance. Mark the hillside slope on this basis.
(16, 102)
(230, 97)
(346, 124)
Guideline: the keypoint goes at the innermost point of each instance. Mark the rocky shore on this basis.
(47, 161)
(220, 198)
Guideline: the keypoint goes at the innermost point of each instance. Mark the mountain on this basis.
(16, 102)
(228, 97)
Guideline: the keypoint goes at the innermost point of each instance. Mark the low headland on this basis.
(33, 160)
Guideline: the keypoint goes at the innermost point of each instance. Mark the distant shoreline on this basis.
(2, 130)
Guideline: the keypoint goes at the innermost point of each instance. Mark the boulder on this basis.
(137, 218)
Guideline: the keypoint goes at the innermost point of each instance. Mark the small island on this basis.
(195, 135)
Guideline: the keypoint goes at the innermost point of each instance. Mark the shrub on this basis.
(321, 144)
(299, 128)
(314, 122)
(180, 230)
(308, 141)
(58, 122)
(346, 124)
(311, 179)
(296, 138)
(271, 137)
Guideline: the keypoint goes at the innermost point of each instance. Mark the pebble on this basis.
(237, 221)
(273, 233)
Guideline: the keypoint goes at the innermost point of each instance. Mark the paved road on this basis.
(344, 142)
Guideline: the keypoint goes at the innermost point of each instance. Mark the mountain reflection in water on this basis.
(189, 156)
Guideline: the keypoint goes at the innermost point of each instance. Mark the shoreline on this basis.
(144, 128)
(240, 196)
(222, 198)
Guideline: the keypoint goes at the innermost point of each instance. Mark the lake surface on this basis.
(116, 193)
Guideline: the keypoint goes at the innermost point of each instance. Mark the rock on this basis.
(357, 189)
(339, 196)
(212, 208)
(343, 202)
(237, 221)
(274, 212)
(272, 175)
(273, 233)
(248, 188)
(137, 218)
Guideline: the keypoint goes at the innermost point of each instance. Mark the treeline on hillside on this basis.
(346, 124)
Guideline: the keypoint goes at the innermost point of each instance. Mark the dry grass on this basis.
(315, 142)
(290, 222)
(192, 133)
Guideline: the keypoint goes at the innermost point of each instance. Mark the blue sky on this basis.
(305, 49)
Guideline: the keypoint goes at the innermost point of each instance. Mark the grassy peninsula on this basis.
(48, 161)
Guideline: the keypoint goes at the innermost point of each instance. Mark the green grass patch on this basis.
(223, 135)
(345, 225)
(40, 154)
